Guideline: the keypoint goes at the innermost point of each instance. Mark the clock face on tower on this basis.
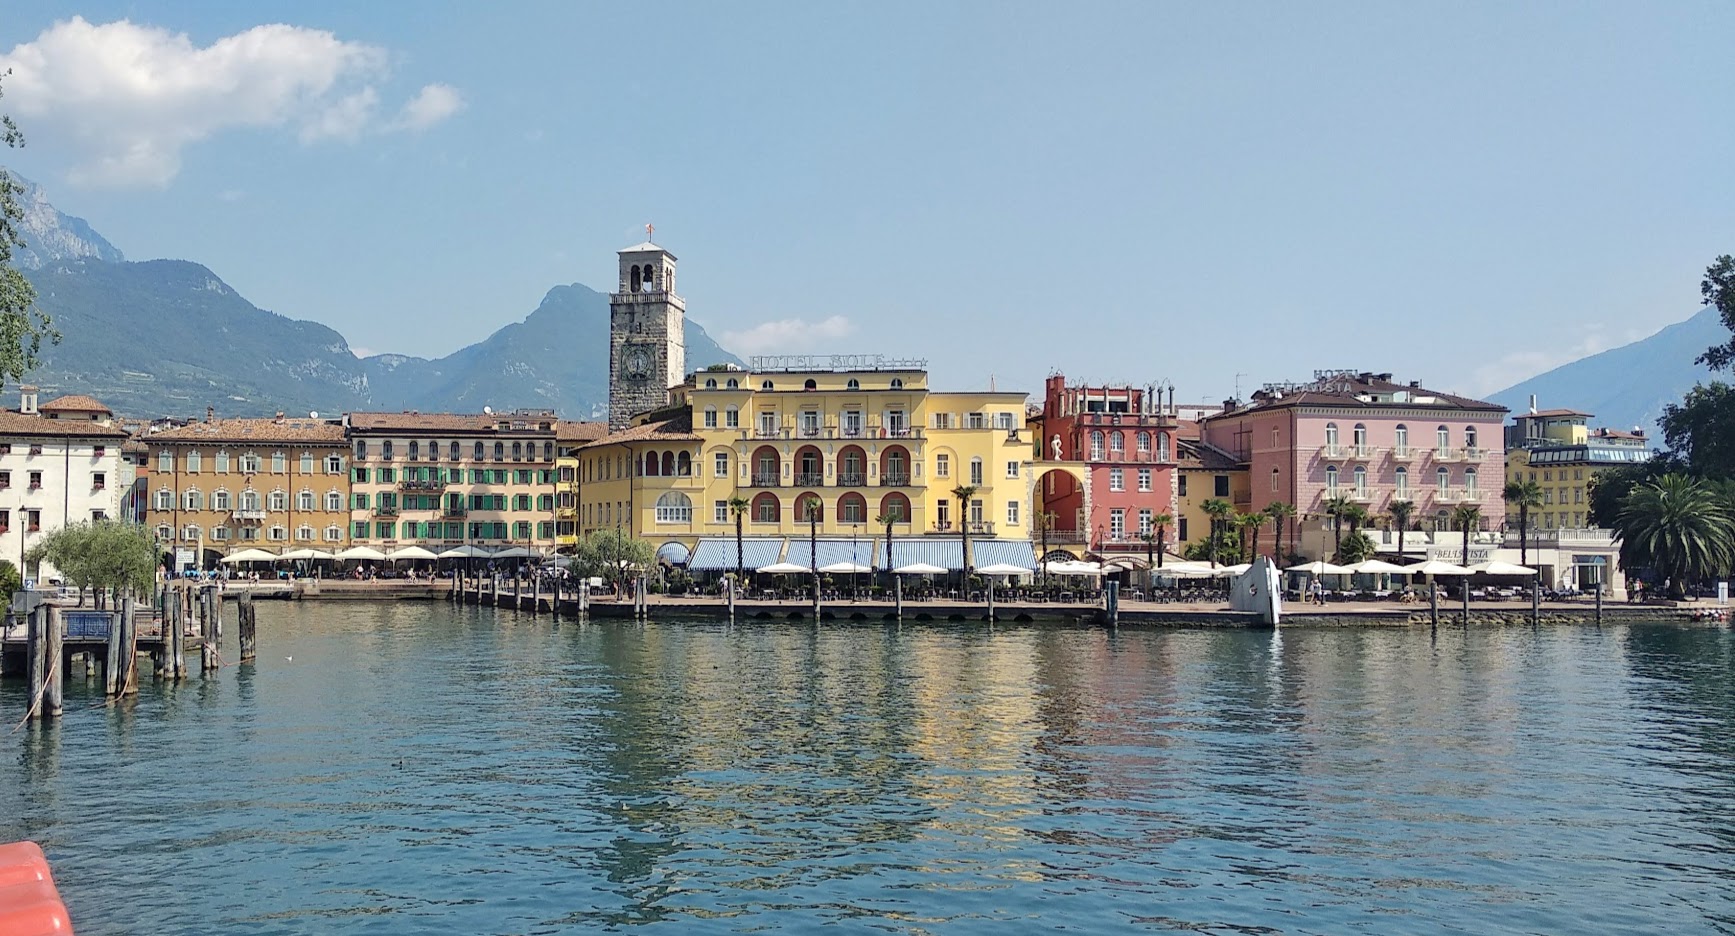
(638, 363)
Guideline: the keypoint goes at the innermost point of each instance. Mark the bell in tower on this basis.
(647, 341)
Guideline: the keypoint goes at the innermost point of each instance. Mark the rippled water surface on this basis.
(417, 768)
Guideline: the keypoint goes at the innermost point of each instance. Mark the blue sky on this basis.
(1464, 194)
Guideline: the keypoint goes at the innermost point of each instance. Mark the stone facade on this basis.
(647, 335)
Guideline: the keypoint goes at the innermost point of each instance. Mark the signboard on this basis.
(185, 557)
(835, 362)
(1453, 554)
(1723, 593)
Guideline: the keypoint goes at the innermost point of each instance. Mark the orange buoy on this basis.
(30, 905)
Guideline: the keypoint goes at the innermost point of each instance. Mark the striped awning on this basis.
(1002, 552)
(717, 554)
(862, 552)
(948, 552)
(673, 553)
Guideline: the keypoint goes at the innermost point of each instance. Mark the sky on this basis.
(1211, 196)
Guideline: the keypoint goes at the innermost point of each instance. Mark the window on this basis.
(943, 514)
(1116, 444)
(1181, 487)
(1096, 445)
(1115, 481)
(1331, 480)
(333, 534)
(720, 465)
(767, 425)
(767, 385)
(1145, 519)
(249, 500)
(279, 463)
(164, 532)
(1274, 479)
(765, 508)
(358, 529)
(897, 383)
(809, 423)
(1117, 524)
(732, 418)
(1145, 479)
(220, 461)
(1403, 483)
(674, 507)
(852, 423)
(166, 462)
(942, 465)
(1443, 439)
(193, 461)
(190, 533)
(36, 449)
(5, 480)
(386, 475)
(1331, 435)
(277, 500)
(976, 472)
(1011, 513)
(1143, 441)
(221, 500)
(334, 464)
(1003, 421)
(361, 475)
(1361, 437)
(852, 509)
(710, 417)
(386, 529)
(853, 384)
(1443, 479)
(499, 451)
(1470, 437)
(1162, 446)
(358, 501)
(1181, 529)
(192, 500)
(1361, 481)
(250, 463)
(1220, 485)
(1011, 469)
(720, 511)
(307, 468)
(975, 421)
(942, 420)
(304, 500)
(1401, 439)
(1470, 483)
(333, 501)
(165, 500)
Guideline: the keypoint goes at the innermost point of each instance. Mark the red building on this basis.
(1125, 436)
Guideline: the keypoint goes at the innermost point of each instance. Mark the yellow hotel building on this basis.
(864, 443)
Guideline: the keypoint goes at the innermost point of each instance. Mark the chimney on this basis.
(27, 400)
(1533, 404)
(210, 413)
(279, 419)
(1415, 385)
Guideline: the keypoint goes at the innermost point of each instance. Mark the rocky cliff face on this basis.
(50, 234)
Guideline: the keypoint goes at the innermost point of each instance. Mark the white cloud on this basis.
(431, 105)
(127, 99)
(787, 335)
(362, 352)
(1518, 366)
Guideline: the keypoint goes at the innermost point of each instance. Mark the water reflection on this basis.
(423, 768)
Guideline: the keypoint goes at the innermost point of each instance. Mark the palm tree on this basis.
(887, 520)
(1219, 511)
(1160, 526)
(738, 506)
(1678, 526)
(963, 493)
(1044, 523)
(1401, 511)
(1279, 512)
(1335, 509)
(1466, 517)
(1523, 495)
(1253, 522)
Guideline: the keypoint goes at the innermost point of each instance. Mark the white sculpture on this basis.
(1056, 444)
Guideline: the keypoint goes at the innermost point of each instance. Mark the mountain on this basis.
(1627, 386)
(169, 337)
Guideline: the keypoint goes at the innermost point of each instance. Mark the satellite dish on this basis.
(313, 415)
(487, 410)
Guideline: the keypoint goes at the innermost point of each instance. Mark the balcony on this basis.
(454, 512)
(1404, 453)
(1475, 454)
(1361, 496)
(810, 479)
(765, 480)
(1333, 452)
(1448, 455)
(1362, 453)
(1057, 536)
(847, 479)
(385, 511)
(890, 479)
(1133, 420)
(1456, 496)
(248, 516)
(974, 528)
(422, 485)
(776, 433)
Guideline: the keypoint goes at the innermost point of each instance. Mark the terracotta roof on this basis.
(445, 422)
(568, 430)
(1195, 455)
(324, 431)
(14, 423)
(75, 403)
(678, 429)
(1555, 412)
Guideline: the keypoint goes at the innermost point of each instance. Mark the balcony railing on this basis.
(1361, 496)
(249, 516)
(851, 479)
(674, 515)
(385, 511)
(974, 527)
(809, 479)
(1362, 452)
(1474, 454)
(761, 479)
(891, 479)
(435, 485)
(456, 512)
(774, 433)
(1058, 536)
(1403, 453)
(1333, 450)
(1447, 454)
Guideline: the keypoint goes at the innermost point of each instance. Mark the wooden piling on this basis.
(1464, 590)
(1599, 601)
(207, 635)
(729, 594)
(36, 653)
(1433, 604)
(111, 662)
(1112, 595)
(1535, 601)
(583, 597)
(245, 626)
(990, 599)
(175, 636)
(53, 704)
(126, 678)
(898, 596)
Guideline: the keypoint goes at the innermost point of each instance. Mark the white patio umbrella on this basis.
(783, 568)
(1437, 567)
(1188, 570)
(1003, 568)
(306, 553)
(410, 552)
(843, 568)
(250, 555)
(514, 552)
(1321, 567)
(919, 568)
(465, 552)
(1232, 571)
(1378, 566)
(1496, 567)
(1074, 567)
(361, 552)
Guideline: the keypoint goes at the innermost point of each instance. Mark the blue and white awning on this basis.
(717, 554)
(673, 554)
(862, 552)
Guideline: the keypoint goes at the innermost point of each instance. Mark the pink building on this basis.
(1362, 437)
(1126, 438)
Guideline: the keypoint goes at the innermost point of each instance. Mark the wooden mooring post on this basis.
(210, 629)
(1535, 601)
(1112, 597)
(898, 596)
(1433, 604)
(246, 626)
(55, 636)
(174, 636)
(990, 599)
(111, 662)
(729, 593)
(36, 658)
(126, 678)
(1464, 589)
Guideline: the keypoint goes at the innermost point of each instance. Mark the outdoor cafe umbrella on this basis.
(250, 555)
(1321, 567)
(1232, 571)
(361, 552)
(305, 553)
(1002, 568)
(514, 552)
(1378, 566)
(919, 568)
(1437, 567)
(410, 552)
(1496, 567)
(465, 552)
(1074, 567)
(782, 568)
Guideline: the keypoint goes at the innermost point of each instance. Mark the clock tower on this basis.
(647, 334)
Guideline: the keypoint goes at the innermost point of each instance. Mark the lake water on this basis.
(417, 768)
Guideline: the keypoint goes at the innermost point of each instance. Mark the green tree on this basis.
(1610, 486)
(1401, 511)
(1356, 547)
(1678, 526)
(963, 493)
(1219, 511)
(1250, 523)
(102, 555)
(23, 326)
(611, 553)
(10, 581)
(1718, 289)
(1280, 512)
(1335, 508)
(738, 507)
(1523, 494)
(1700, 430)
(1466, 517)
(1356, 516)
(812, 504)
(1153, 538)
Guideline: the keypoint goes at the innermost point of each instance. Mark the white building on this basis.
(60, 463)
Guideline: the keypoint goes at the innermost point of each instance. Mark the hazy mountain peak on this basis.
(50, 234)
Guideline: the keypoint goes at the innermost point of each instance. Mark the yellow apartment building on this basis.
(1205, 473)
(221, 485)
(1559, 450)
(569, 437)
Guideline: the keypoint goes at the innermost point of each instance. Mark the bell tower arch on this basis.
(647, 333)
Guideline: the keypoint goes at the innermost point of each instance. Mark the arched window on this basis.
(415, 450)
(895, 467)
(674, 507)
(517, 451)
(653, 465)
(1331, 480)
(668, 464)
(1274, 478)
(809, 384)
(1361, 481)
(710, 383)
(1096, 441)
(499, 451)
(1403, 483)
(809, 508)
(1361, 438)
(1143, 442)
(1331, 435)
(853, 384)
(767, 385)
(766, 509)
(684, 464)
(548, 451)
(896, 506)
(1116, 444)
(852, 508)
(733, 384)
(1162, 446)
(1470, 481)
(1470, 437)
(976, 472)
(1443, 479)
(809, 466)
(1443, 440)
(767, 467)
(478, 456)
(1401, 439)
(897, 383)
(453, 451)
